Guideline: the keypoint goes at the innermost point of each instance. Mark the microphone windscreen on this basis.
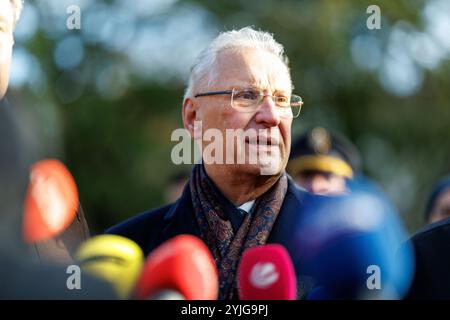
(320, 293)
(51, 202)
(167, 295)
(349, 244)
(184, 264)
(267, 273)
(116, 259)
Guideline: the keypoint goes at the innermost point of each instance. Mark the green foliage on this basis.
(118, 147)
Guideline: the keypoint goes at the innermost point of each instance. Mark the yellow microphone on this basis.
(116, 259)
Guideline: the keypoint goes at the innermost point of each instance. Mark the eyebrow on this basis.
(258, 85)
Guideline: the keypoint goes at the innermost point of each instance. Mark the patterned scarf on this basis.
(217, 232)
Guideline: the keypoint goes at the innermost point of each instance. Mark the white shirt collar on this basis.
(247, 206)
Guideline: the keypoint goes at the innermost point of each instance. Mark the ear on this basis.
(189, 115)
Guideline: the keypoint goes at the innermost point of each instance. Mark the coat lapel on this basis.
(180, 218)
(288, 217)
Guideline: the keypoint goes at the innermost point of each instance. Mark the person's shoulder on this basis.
(431, 246)
(294, 189)
(432, 241)
(431, 231)
(142, 226)
(144, 220)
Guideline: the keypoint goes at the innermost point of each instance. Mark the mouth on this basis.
(263, 141)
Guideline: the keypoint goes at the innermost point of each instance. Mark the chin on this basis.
(261, 169)
(271, 169)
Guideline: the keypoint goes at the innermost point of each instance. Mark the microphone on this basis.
(51, 202)
(267, 273)
(113, 258)
(168, 295)
(320, 293)
(349, 244)
(53, 220)
(182, 264)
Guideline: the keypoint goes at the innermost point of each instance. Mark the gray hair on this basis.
(204, 65)
(17, 6)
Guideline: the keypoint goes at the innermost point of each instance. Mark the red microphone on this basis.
(51, 203)
(53, 222)
(182, 264)
(267, 273)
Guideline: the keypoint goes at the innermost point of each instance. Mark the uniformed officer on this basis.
(322, 162)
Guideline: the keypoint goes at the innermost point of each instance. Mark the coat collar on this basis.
(181, 219)
(289, 216)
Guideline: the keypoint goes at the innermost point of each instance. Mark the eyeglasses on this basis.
(249, 100)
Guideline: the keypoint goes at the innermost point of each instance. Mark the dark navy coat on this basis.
(152, 228)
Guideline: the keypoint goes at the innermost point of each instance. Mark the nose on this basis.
(268, 113)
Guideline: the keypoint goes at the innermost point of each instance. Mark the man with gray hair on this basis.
(239, 89)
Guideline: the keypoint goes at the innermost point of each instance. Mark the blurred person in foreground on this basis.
(432, 246)
(241, 81)
(13, 167)
(322, 162)
(62, 248)
(21, 277)
(9, 15)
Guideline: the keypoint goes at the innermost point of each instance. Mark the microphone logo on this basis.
(263, 275)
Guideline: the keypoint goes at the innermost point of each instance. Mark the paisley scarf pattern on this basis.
(217, 232)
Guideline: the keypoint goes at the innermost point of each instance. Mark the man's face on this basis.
(441, 209)
(244, 69)
(321, 182)
(6, 43)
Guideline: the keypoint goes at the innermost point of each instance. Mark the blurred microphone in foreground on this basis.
(115, 259)
(349, 244)
(181, 268)
(267, 273)
(20, 276)
(53, 220)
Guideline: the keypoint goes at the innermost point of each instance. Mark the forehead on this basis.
(6, 12)
(251, 67)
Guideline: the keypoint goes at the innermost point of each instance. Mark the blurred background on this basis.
(105, 98)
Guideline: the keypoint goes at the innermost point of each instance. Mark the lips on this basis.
(263, 141)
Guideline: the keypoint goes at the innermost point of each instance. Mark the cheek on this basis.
(208, 115)
(285, 130)
(238, 121)
(5, 51)
(217, 117)
(229, 118)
